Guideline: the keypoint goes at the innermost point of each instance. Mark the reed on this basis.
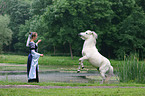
(131, 70)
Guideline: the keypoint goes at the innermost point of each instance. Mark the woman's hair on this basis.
(33, 34)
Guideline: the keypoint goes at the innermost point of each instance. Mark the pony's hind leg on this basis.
(103, 69)
(110, 74)
(103, 77)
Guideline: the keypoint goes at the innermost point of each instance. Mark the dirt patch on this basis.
(56, 76)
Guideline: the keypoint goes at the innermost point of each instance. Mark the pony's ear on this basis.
(94, 34)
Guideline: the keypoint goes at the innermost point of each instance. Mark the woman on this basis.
(32, 64)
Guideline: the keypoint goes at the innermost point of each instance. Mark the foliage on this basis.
(5, 31)
(141, 3)
(34, 24)
(22, 37)
(131, 34)
(68, 18)
(118, 23)
(122, 9)
(18, 12)
(38, 6)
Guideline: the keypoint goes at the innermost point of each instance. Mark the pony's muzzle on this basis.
(79, 34)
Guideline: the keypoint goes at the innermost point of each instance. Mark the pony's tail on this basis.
(111, 70)
(110, 73)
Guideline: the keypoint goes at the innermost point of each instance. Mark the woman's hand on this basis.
(41, 55)
(38, 41)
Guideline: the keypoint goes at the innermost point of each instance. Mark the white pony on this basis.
(91, 54)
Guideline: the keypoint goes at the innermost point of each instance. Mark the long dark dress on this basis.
(32, 64)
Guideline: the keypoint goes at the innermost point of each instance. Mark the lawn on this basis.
(67, 64)
(71, 84)
(73, 92)
(48, 63)
(53, 62)
(48, 60)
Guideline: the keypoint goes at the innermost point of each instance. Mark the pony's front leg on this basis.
(81, 60)
(79, 68)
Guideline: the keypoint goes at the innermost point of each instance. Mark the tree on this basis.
(19, 12)
(38, 6)
(34, 24)
(5, 31)
(22, 37)
(68, 18)
(131, 33)
(3, 7)
(58, 23)
(141, 3)
(122, 9)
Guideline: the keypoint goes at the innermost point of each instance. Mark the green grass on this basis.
(66, 63)
(48, 60)
(71, 84)
(12, 68)
(57, 62)
(73, 92)
(15, 59)
(51, 62)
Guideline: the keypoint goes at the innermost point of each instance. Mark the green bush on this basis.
(131, 70)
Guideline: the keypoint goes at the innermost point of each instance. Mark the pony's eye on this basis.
(86, 33)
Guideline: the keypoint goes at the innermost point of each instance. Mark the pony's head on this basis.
(88, 34)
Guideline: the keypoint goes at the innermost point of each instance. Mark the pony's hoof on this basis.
(83, 67)
(78, 71)
(102, 82)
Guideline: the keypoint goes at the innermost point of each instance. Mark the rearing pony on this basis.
(90, 53)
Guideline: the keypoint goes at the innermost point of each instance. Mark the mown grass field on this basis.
(54, 61)
(136, 89)
(46, 63)
(65, 63)
(71, 84)
(48, 60)
(73, 92)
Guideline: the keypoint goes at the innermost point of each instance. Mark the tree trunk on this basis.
(71, 51)
(54, 50)
(109, 53)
